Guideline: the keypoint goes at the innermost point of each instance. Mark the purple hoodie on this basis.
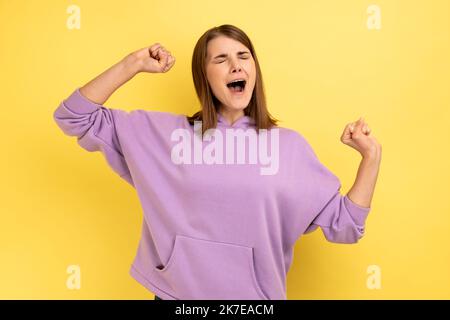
(221, 231)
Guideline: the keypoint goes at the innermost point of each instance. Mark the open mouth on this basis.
(237, 85)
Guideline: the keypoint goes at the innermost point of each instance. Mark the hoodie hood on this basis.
(243, 122)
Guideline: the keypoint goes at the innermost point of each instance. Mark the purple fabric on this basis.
(221, 231)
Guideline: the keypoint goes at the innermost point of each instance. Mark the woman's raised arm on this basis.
(96, 127)
(153, 59)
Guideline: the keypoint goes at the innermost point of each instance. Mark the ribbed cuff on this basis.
(359, 214)
(77, 103)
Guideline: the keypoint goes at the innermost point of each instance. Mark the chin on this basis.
(238, 107)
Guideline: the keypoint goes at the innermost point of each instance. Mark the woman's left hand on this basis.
(357, 135)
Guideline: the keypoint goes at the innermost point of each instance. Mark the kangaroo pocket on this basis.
(210, 270)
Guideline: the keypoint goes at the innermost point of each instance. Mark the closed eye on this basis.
(245, 58)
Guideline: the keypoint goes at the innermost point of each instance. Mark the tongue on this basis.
(236, 89)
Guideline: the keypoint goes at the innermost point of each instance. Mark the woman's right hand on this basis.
(153, 59)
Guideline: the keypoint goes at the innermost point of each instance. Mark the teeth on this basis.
(237, 80)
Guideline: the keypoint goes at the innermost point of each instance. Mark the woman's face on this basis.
(228, 60)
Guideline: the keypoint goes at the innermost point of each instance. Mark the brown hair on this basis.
(256, 109)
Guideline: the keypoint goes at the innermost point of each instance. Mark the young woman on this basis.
(220, 220)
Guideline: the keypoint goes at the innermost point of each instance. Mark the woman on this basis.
(219, 224)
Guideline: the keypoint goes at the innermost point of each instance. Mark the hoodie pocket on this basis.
(210, 270)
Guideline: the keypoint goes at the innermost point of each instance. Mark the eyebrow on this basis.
(224, 55)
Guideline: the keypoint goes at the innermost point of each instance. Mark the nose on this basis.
(236, 66)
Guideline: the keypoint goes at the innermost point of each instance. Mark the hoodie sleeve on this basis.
(341, 220)
(95, 127)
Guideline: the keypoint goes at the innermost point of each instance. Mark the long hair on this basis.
(256, 109)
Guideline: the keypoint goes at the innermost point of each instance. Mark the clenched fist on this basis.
(153, 59)
(357, 135)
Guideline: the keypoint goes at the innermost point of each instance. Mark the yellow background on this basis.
(322, 67)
